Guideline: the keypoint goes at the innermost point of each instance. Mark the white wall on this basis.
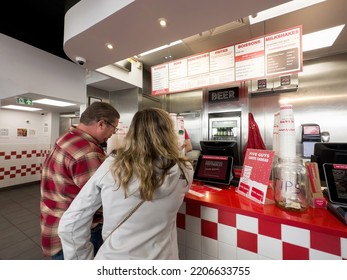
(24, 69)
(25, 140)
(38, 127)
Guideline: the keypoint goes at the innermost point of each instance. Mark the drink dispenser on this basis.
(309, 137)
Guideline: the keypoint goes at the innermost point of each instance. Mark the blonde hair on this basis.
(151, 145)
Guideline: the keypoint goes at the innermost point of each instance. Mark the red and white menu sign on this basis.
(222, 59)
(198, 64)
(282, 51)
(249, 60)
(275, 54)
(160, 79)
(255, 174)
(178, 69)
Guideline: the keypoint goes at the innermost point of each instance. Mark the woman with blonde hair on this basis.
(141, 188)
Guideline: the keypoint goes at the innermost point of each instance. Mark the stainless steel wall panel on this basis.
(127, 103)
(321, 98)
(189, 105)
(185, 102)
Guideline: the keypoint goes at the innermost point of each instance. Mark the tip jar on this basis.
(290, 185)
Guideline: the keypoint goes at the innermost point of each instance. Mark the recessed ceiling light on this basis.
(109, 46)
(52, 102)
(22, 108)
(321, 39)
(162, 22)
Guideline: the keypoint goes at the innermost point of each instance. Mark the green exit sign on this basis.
(24, 101)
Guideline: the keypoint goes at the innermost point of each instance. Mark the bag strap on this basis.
(126, 217)
(138, 206)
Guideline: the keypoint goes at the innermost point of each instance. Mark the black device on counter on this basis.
(339, 211)
(336, 181)
(221, 148)
(329, 153)
(214, 169)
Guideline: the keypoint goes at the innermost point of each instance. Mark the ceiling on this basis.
(40, 23)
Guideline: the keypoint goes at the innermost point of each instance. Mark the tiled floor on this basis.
(20, 223)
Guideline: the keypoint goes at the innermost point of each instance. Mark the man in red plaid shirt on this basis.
(73, 160)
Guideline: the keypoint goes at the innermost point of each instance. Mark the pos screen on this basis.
(336, 181)
(214, 169)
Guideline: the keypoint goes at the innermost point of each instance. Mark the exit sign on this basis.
(24, 101)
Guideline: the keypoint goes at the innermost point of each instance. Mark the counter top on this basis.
(318, 219)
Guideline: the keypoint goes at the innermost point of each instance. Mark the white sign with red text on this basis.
(282, 52)
(249, 60)
(160, 79)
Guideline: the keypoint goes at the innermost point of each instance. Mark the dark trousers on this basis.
(96, 238)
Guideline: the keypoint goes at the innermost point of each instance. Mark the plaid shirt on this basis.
(72, 161)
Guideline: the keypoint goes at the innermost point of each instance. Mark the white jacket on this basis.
(150, 233)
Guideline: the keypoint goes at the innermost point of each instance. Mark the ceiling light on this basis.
(162, 22)
(109, 46)
(23, 108)
(161, 48)
(52, 102)
(279, 10)
(67, 115)
(321, 39)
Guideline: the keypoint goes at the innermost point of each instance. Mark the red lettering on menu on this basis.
(220, 51)
(284, 34)
(198, 57)
(248, 44)
(159, 67)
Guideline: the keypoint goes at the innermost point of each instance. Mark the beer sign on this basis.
(223, 95)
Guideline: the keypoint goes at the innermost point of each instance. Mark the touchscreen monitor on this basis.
(214, 169)
(336, 180)
(221, 148)
(329, 153)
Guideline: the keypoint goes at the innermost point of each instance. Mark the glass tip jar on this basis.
(290, 185)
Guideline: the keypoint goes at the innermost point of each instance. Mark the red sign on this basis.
(255, 174)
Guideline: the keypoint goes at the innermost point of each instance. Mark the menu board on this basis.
(198, 64)
(160, 79)
(271, 55)
(178, 69)
(282, 51)
(249, 60)
(222, 59)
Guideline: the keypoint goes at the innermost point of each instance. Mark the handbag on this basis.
(125, 218)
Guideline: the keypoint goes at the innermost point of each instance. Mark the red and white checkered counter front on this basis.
(226, 225)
